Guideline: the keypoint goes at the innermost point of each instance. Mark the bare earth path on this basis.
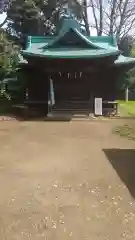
(62, 181)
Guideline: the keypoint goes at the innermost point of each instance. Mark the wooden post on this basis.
(126, 94)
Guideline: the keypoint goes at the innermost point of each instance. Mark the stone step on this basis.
(74, 106)
(57, 116)
(68, 109)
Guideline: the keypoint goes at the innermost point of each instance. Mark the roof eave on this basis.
(39, 55)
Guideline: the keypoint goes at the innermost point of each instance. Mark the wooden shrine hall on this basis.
(67, 71)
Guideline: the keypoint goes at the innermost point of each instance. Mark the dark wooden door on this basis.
(71, 90)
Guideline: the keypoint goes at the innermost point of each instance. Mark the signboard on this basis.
(98, 106)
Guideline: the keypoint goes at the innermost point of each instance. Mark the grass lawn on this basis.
(126, 131)
(127, 109)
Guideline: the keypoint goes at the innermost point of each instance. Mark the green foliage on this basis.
(15, 87)
(127, 78)
(125, 45)
(38, 17)
(133, 51)
(9, 57)
(130, 77)
(30, 17)
(131, 73)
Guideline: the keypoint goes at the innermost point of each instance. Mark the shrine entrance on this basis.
(71, 87)
(72, 92)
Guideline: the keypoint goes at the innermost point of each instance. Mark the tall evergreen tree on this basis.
(39, 17)
(31, 17)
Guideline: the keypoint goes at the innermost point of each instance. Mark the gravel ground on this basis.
(66, 180)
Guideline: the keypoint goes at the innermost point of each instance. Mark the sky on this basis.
(2, 17)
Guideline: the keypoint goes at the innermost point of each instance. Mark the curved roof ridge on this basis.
(67, 25)
(88, 40)
(79, 34)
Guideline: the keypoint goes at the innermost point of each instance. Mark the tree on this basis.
(8, 55)
(39, 17)
(113, 17)
(128, 82)
(32, 17)
(9, 58)
(126, 45)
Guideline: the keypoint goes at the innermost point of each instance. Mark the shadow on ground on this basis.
(123, 161)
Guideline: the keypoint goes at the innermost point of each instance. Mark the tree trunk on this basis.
(86, 18)
(122, 17)
(94, 16)
(87, 26)
(83, 9)
(101, 18)
(126, 94)
(112, 17)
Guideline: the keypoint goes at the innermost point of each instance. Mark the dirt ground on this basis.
(66, 180)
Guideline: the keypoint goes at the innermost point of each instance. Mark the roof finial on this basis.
(66, 12)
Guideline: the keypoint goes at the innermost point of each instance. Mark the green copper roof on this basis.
(72, 53)
(124, 60)
(71, 43)
(57, 47)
